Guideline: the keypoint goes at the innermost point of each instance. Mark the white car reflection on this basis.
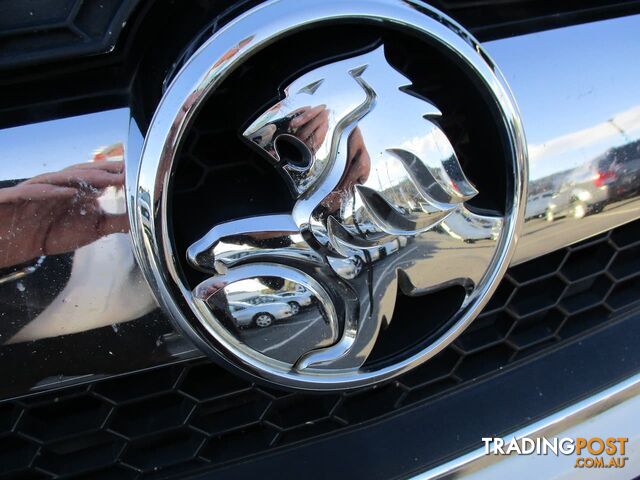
(261, 315)
(296, 299)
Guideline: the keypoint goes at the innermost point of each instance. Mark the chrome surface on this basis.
(372, 189)
(613, 411)
(567, 115)
(61, 199)
(380, 194)
(296, 308)
(582, 115)
(66, 260)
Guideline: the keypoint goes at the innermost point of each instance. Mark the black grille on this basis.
(35, 30)
(45, 30)
(178, 418)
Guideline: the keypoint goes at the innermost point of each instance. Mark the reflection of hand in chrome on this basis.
(58, 212)
(310, 125)
(356, 172)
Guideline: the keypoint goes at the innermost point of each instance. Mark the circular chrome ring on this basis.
(204, 72)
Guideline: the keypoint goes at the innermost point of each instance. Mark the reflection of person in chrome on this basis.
(310, 125)
(58, 212)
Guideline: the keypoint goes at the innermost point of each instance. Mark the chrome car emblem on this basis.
(374, 179)
(300, 298)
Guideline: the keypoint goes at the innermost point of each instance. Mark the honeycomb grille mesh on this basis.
(37, 30)
(178, 418)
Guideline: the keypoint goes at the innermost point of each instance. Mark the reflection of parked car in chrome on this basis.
(537, 204)
(585, 191)
(262, 315)
(296, 300)
(623, 165)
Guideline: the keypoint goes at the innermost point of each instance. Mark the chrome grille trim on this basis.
(620, 400)
(574, 116)
(616, 119)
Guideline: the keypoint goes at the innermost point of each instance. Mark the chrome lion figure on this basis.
(380, 207)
